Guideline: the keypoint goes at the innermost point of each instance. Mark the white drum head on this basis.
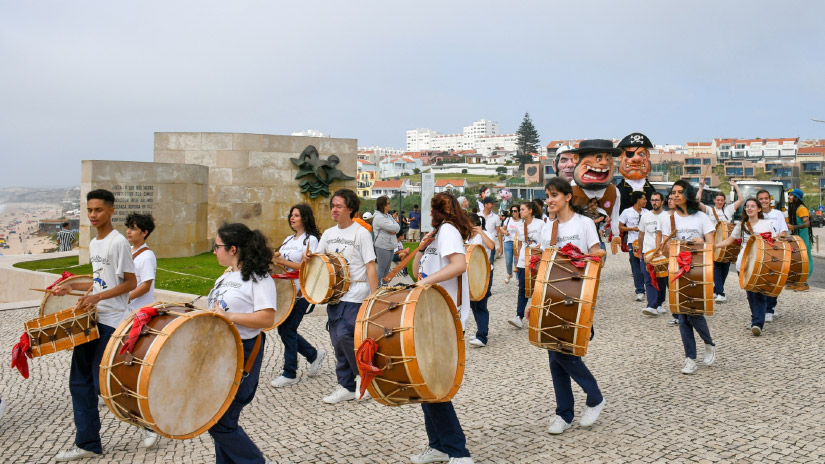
(193, 374)
(478, 271)
(316, 282)
(749, 259)
(285, 288)
(436, 342)
(53, 304)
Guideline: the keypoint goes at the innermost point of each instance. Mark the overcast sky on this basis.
(94, 80)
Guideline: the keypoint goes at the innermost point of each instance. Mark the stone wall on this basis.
(175, 194)
(251, 178)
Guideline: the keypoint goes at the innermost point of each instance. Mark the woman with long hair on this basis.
(753, 223)
(509, 229)
(246, 296)
(693, 226)
(480, 312)
(579, 231)
(384, 228)
(529, 234)
(440, 260)
(302, 222)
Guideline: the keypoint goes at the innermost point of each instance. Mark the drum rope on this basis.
(558, 344)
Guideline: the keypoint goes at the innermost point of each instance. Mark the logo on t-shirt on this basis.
(567, 238)
(100, 282)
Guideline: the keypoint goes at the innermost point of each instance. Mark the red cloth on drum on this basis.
(577, 258)
(768, 237)
(365, 357)
(64, 276)
(683, 260)
(534, 262)
(653, 280)
(143, 316)
(288, 275)
(19, 353)
(737, 241)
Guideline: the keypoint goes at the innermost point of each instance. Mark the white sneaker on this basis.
(775, 314)
(721, 299)
(316, 365)
(690, 366)
(710, 354)
(366, 396)
(150, 439)
(429, 455)
(467, 460)
(662, 310)
(3, 405)
(477, 343)
(284, 381)
(649, 311)
(756, 331)
(340, 394)
(516, 322)
(768, 317)
(640, 296)
(673, 322)
(74, 454)
(558, 426)
(590, 415)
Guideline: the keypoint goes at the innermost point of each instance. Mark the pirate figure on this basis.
(634, 165)
(593, 178)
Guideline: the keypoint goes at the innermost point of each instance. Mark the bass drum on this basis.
(729, 253)
(324, 278)
(691, 292)
(764, 268)
(285, 289)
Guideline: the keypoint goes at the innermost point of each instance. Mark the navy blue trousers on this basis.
(481, 314)
(84, 386)
(522, 300)
(293, 342)
(443, 429)
(342, 335)
(759, 304)
(686, 326)
(720, 273)
(564, 367)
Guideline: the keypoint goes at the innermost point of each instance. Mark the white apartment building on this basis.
(420, 139)
(310, 133)
(486, 144)
(756, 149)
(454, 142)
(374, 154)
(480, 128)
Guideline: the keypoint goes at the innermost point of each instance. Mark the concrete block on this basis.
(250, 142)
(232, 159)
(216, 141)
(202, 157)
(170, 156)
(178, 140)
(220, 176)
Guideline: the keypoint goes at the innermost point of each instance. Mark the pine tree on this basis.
(528, 138)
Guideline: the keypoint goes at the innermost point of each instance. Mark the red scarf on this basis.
(577, 258)
(19, 353)
(365, 358)
(683, 260)
(293, 274)
(143, 316)
(64, 276)
(768, 237)
(653, 279)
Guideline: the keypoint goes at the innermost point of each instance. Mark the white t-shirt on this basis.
(436, 256)
(355, 243)
(650, 224)
(630, 218)
(533, 238)
(511, 225)
(763, 225)
(236, 296)
(696, 225)
(292, 249)
(778, 220)
(491, 225)
(477, 240)
(111, 258)
(579, 230)
(146, 265)
(725, 214)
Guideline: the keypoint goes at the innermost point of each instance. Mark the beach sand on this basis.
(25, 238)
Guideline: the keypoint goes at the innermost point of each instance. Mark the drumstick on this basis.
(406, 260)
(47, 290)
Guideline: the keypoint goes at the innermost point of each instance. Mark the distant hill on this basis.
(39, 195)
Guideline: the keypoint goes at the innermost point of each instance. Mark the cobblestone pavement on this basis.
(761, 401)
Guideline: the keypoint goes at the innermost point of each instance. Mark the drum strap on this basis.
(673, 223)
(460, 292)
(716, 215)
(748, 225)
(252, 356)
(137, 253)
(554, 234)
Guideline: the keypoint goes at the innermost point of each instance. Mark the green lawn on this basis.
(202, 271)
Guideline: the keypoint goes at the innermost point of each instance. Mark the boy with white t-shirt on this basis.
(138, 229)
(355, 243)
(650, 236)
(629, 224)
(114, 278)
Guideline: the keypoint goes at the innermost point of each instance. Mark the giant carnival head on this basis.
(634, 162)
(594, 163)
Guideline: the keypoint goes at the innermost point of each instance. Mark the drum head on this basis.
(285, 288)
(53, 304)
(436, 341)
(193, 374)
(749, 259)
(316, 281)
(478, 271)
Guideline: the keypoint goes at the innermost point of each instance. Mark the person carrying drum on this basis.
(353, 241)
(440, 260)
(753, 223)
(529, 234)
(579, 231)
(114, 278)
(780, 228)
(720, 213)
(800, 224)
(650, 238)
(694, 226)
(479, 308)
(302, 222)
(509, 230)
(629, 224)
(245, 295)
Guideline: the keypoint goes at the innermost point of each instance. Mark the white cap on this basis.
(367, 216)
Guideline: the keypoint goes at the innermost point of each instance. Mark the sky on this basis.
(95, 79)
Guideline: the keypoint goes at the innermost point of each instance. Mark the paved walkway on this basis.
(762, 401)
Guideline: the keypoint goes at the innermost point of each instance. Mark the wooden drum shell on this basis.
(285, 289)
(324, 271)
(691, 294)
(764, 267)
(730, 253)
(62, 330)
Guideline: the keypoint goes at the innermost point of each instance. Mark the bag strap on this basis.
(247, 367)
